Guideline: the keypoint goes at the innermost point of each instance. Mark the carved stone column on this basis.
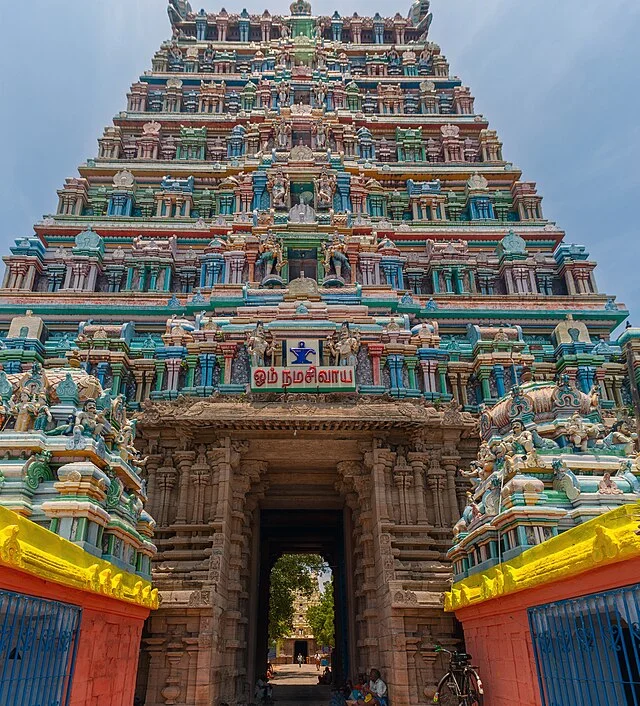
(450, 463)
(167, 476)
(418, 462)
(183, 461)
(153, 491)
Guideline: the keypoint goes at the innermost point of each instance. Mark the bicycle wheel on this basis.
(448, 694)
(473, 690)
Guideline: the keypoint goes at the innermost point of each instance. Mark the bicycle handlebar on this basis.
(453, 653)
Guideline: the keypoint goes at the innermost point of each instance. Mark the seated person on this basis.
(353, 693)
(263, 690)
(375, 692)
(337, 697)
(325, 677)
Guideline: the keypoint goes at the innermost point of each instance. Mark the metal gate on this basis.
(38, 641)
(587, 649)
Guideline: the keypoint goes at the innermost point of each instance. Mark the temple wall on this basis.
(497, 632)
(109, 640)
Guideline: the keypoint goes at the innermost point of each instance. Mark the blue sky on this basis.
(558, 79)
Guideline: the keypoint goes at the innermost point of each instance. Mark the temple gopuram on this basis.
(300, 272)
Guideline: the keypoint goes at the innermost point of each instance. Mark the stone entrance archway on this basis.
(310, 530)
(216, 467)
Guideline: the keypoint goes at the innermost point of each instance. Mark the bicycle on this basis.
(461, 685)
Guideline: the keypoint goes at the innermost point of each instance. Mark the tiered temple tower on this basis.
(301, 256)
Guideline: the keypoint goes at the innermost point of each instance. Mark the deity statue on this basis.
(178, 10)
(344, 347)
(565, 479)
(491, 497)
(175, 52)
(476, 474)
(621, 438)
(578, 432)
(335, 257)
(302, 212)
(522, 443)
(320, 94)
(626, 471)
(283, 93)
(486, 459)
(278, 186)
(258, 346)
(43, 417)
(89, 421)
(325, 188)
(271, 256)
(504, 461)
(607, 487)
(470, 512)
(125, 441)
(283, 135)
(25, 410)
(320, 132)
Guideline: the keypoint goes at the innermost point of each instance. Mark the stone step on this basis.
(295, 695)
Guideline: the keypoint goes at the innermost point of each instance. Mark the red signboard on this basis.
(303, 379)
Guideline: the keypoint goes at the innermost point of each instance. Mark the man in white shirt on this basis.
(375, 691)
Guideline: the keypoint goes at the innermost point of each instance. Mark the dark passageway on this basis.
(304, 532)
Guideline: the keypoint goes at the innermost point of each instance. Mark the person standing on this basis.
(300, 658)
(317, 661)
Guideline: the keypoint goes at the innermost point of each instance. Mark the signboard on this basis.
(303, 379)
(302, 352)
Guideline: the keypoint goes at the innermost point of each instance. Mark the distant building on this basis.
(301, 640)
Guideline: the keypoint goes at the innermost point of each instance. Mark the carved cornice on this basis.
(35, 550)
(604, 540)
(304, 412)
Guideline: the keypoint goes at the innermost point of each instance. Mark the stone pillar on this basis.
(153, 490)
(498, 371)
(417, 462)
(375, 351)
(183, 461)
(483, 374)
(173, 371)
(450, 462)
(412, 363)
(228, 351)
(571, 285)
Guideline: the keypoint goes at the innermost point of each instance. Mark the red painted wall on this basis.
(109, 643)
(497, 632)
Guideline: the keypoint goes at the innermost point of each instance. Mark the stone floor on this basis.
(294, 685)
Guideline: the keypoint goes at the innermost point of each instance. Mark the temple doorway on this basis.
(308, 533)
(303, 263)
(301, 647)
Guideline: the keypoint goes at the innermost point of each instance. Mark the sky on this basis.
(558, 79)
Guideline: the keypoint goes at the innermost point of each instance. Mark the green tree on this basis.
(290, 573)
(321, 617)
